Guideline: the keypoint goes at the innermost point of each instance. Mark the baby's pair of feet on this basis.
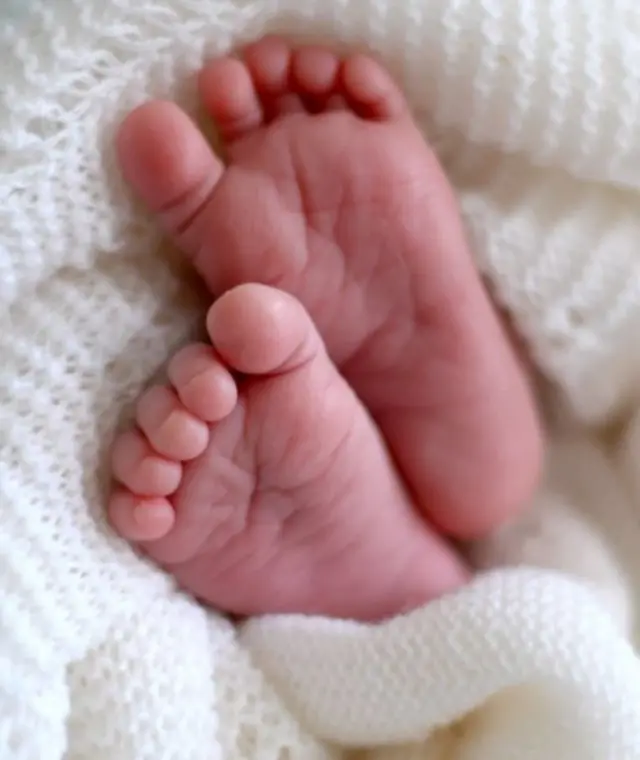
(359, 403)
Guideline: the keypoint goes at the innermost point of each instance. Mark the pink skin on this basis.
(284, 486)
(331, 194)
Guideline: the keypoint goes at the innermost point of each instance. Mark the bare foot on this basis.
(331, 194)
(282, 495)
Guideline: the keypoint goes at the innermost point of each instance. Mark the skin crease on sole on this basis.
(331, 194)
(286, 496)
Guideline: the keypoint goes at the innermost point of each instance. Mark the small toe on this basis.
(169, 427)
(138, 467)
(203, 384)
(228, 93)
(370, 90)
(314, 74)
(261, 330)
(140, 519)
(167, 161)
(269, 62)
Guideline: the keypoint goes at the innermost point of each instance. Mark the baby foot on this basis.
(331, 194)
(273, 493)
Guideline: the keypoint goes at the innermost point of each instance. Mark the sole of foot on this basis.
(258, 479)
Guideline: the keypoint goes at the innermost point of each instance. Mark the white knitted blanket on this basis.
(535, 108)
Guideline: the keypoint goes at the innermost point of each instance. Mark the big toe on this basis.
(261, 330)
(229, 94)
(169, 164)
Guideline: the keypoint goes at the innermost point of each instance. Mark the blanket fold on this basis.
(533, 106)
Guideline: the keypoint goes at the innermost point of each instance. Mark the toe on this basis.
(261, 330)
(168, 162)
(269, 63)
(203, 384)
(314, 74)
(138, 467)
(228, 93)
(140, 519)
(169, 427)
(370, 90)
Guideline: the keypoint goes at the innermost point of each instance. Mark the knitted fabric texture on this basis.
(533, 106)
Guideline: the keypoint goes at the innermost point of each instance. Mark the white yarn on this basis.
(534, 106)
